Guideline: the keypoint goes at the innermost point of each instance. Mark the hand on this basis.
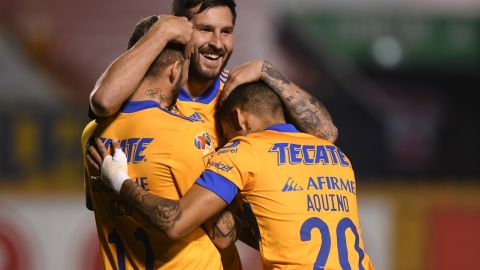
(114, 170)
(174, 29)
(248, 72)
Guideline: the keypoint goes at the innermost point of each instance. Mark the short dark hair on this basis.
(184, 7)
(171, 53)
(254, 97)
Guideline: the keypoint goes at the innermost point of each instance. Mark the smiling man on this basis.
(210, 26)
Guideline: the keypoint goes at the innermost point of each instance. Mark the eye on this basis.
(204, 29)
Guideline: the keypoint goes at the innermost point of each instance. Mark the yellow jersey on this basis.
(299, 192)
(203, 108)
(165, 154)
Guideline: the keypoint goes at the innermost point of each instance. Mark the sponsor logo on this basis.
(203, 142)
(133, 148)
(229, 148)
(232, 144)
(220, 166)
(197, 117)
(291, 185)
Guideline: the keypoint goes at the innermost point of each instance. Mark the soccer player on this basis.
(300, 190)
(212, 23)
(165, 152)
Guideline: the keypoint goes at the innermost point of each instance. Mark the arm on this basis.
(223, 229)
(306, 111)
(124, 75)
(176, 218)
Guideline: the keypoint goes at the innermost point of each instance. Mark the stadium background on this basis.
(399, 78)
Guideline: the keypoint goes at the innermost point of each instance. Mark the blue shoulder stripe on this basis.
(218, 184)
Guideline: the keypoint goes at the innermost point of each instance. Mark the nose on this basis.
(216, 40)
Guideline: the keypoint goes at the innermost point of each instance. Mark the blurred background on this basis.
(398, 77)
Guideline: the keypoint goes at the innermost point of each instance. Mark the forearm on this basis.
(305, 110)
(223, 229)
(124, 75)
(161, 213)
(176, 218)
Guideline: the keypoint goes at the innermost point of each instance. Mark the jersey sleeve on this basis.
(232, 168)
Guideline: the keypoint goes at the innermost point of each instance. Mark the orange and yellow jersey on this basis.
(165, 154)
(203, 108)
(300, 192)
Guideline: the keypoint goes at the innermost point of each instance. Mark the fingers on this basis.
(101, 148)
(94, 157)
(175, 29)
(248, 72)
(116, 144)
(92, 163)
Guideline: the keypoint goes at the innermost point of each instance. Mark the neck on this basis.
(259, 124)
(197, 87)
(156, 90)
(270, 122)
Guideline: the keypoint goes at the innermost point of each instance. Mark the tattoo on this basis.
(314, 118)
(310, 115)
(160, 212)
(273, 77)
(307, 112)
(224, 227)
(156, 93)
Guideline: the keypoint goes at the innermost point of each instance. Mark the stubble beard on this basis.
(196, 71)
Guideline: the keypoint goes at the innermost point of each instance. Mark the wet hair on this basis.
(169, 55)
(184, 7)
(255, 97)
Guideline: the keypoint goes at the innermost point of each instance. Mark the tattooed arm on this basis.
(307, 113)
(177, 218)
(124, 75)
(223, 229)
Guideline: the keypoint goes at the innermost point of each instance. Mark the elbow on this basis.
(101, 105)
(329, 133)
(333, 136)
(175, 234)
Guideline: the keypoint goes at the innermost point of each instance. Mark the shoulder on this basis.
(88, 132)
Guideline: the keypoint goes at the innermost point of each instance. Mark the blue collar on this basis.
(283, 128)
(206, 97)
(135, 106)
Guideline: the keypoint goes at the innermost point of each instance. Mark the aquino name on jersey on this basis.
(324, 192)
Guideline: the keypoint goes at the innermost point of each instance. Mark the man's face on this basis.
(212, 41)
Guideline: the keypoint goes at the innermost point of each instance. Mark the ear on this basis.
(239, 120)
(174, 72)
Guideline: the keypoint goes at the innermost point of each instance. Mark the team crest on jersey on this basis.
(203, 142)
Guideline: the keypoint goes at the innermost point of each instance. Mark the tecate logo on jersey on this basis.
(290, 153)
(134, 148)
